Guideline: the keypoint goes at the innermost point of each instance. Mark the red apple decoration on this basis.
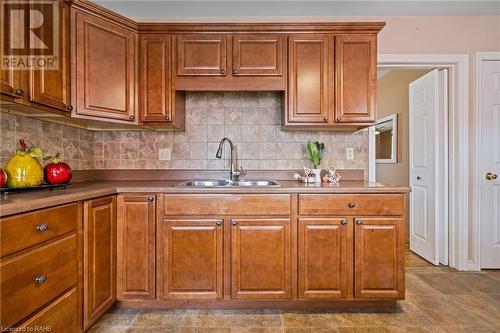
(57, 172)
(3, 178)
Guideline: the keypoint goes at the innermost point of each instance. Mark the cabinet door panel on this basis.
(105, 69)
(379, 258)
(325, 257)
(201, 55)
(155, 79)
(257, 55)
(10, 79)
(261, 258)
(308, 79)
(136, 247)
(355, 78)
(51, 87)
(191, 259)
(99, 252)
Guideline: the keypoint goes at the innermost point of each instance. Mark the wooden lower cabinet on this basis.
(136, 229)
(379, 258)
(261, 264)
(325, 258)
(99, 258)
(191, 259)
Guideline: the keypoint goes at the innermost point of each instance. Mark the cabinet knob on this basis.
(131, 117)
(223, 71)
(338, 118)
(42, 227)
(19, 92)
(325, 119)
(69, 107)
(235, 72)
(491, 176)
(167, 118)
(151, 199)
(343, 222)
(41, 279)
(219, 222)
(234, 222)
(352, 204)
(418, 177)
(359, 222)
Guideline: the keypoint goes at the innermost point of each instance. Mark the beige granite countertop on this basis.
(23, 202)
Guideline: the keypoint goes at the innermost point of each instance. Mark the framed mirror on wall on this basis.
(386, 139)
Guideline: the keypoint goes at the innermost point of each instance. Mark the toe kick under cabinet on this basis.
(229, 249)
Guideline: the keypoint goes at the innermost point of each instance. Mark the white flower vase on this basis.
(317, 175)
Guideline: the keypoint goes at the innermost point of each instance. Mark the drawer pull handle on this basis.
(41, 279)
(352, 204)
(359, 222)
(42, 227)
(343, 222)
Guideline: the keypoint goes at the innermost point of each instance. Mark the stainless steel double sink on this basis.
(229, 183)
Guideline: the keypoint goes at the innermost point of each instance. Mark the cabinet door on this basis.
(325, 257)
(155, 79)
(191, 258)
(308, 79)
(105, 69)
(199, 55)
(379, 258)
(99, 253)
(10, 79)
(355, 78)
(261, 258)
(258, 55)
(136, 228)
(51, 87)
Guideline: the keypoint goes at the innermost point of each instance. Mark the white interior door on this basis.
(490, 164)
(428, 159)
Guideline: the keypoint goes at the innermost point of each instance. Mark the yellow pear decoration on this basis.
(24, 169)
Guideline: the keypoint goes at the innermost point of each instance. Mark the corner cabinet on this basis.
(105, 66)
(99, 258)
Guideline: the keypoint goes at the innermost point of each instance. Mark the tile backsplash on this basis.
(250, 119)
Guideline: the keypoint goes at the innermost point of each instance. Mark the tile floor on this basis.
(439, 299)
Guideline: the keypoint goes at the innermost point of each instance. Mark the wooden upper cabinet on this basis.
(50, 87)
(201, 55)
(308, 79)
(99, 253)
(136, 229)
(379, 258)
(325, 258)
(261, 262)
(155, 79)
(105, 62)
(355, 78)
(258, 55)
(191, 258)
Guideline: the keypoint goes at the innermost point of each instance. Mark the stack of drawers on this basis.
(39, 270)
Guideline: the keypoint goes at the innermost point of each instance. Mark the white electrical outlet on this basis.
(164, 154)
(349, 152)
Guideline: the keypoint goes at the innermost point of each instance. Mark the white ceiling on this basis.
(158, 10)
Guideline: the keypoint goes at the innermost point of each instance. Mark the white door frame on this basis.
(480, 57)
(459, 176)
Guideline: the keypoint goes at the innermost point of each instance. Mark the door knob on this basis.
(235, 72)
(151, 199)
(491, 176)
(343, 222)
(418, 177)
(234, 222)
(218, 222)
(359, 222)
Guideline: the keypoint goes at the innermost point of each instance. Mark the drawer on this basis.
(21, 293)
(61, 316)
(351, 204)
(225, 204)
(24, 230)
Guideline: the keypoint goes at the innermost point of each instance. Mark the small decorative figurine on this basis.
(332, 176)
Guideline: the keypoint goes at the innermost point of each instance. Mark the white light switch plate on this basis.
(349, 152)
(164, 154)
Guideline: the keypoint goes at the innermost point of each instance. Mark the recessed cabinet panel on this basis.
(355, 78)
(257, 55)
(325, 257)
(379, 258)
(199, 55)
(191, 258)
(105, 69)
(308, 79)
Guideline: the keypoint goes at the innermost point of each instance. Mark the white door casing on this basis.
(489, 154)
(428, 151)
